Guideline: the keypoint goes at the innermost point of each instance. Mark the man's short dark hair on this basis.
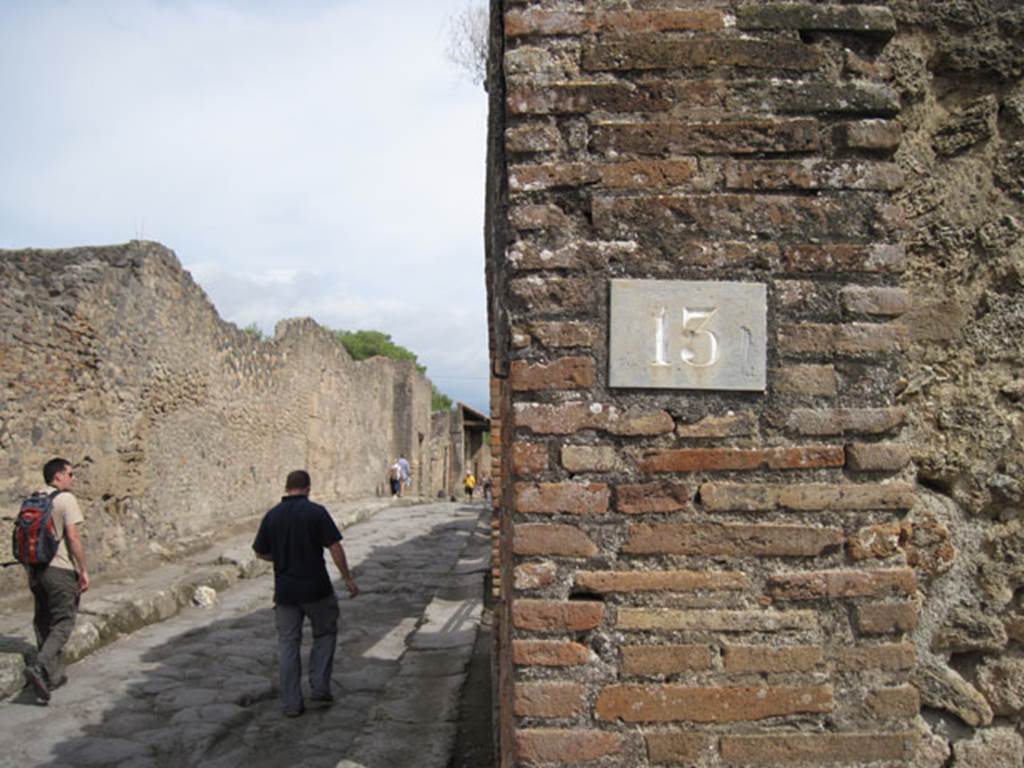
(52, 467)
(297, 480)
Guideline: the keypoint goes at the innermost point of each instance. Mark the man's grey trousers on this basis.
(323, 616)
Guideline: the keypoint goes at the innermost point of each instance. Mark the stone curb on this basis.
(104, 619)
(416, 723)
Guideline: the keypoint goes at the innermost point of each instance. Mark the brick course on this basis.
(557, 616)
(664, 659)
(544, 746)
(659, 581)
(731, 540)
(716, 704)
(549, 699)
(554, 540)
(817, 749)
(562, 498)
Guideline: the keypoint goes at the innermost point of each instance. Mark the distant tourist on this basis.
(395, 479)
(293, 535)
(489, 492)
(57, 583)
(406, 478)
(469, 484)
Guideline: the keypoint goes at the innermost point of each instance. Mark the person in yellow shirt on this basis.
(469, 484)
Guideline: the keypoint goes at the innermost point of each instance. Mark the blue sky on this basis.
(307, 158)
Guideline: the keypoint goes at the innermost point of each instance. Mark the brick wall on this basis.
(700, 577)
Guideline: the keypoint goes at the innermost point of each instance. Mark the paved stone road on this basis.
(200, 688)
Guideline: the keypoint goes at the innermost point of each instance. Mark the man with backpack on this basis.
(57, 584)
(293, 535)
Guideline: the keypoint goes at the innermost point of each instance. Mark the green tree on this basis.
(439, 401)
(254, 330)
(364, 344)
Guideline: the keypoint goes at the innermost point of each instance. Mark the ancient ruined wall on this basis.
(703, 577)
(441, 454)
(958, 67)
(180, 422)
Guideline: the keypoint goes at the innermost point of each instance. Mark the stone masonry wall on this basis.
(180, 423)
(704, 577)
(959, 69)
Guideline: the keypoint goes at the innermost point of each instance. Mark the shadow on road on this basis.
(197, 692)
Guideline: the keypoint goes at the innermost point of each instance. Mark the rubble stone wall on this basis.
(828, 572)
(180, 423)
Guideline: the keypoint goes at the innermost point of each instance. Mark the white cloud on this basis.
(314, 158)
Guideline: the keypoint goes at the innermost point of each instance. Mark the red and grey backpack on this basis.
(35, 538)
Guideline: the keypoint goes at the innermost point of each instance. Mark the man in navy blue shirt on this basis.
(293, 535)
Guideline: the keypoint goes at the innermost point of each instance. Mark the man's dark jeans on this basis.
(56, 597)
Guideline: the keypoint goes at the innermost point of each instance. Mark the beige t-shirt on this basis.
(65, 511)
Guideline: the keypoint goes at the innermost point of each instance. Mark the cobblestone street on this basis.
(201, 687)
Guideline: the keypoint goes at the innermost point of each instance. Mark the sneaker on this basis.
(294, 712)
(321, 699)
(36, 676)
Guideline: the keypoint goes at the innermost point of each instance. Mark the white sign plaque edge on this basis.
(688, 334)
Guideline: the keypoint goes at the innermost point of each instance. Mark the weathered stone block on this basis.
(552, 540)
(603, 582)
(892, 657)
(538, 21)
(729, 425)
(534, 575)
(880, 300)
(734, 137)
(589, 458)
(725, 704)
(715, 459)
(688, 748)
(647, 498)
(753, 497)
(818, 748)
(549, 653)
(879, 541)
(562, 498)
(548, 699)
(565, 373)
(872, 135)
(875, 19)
(832, 585)
(717, 620)
(844, 257)
(747, 659)
(664, 659)
(568, 418)
(899, 703)
(757, 175)
(810, 380)
(664, 52)
(848, 339)
(877, 457)
(990, 748)
(557, 616)
(1002, 682)
(529, 458)
(549, 746)
(731, 540)
(886, 618)
(838, 421)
